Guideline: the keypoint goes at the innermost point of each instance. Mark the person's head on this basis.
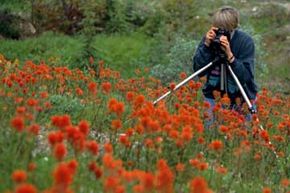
(226, 18)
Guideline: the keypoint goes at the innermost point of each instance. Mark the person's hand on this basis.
(225, 46)
(210, 35)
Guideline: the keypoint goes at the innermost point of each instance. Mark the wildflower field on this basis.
(69, 130)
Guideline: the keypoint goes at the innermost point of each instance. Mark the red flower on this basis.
(84, 127)
(79, 91)
(139, 100)
(31, 166)
(20, 110)
(32, 102)
(18, 123)
(119, 108)
(108, 147)
(164, 177)
(116, 124)
(25, 188)
(98, 172)
(92, 86)
(61, 121)
(19, 176)
(264, 134)
(34, 129)
(129, 96)
(106, 86)
(172, 86)
(216, 145)
(267, 190)
(93, 147)
(199, 185)
(63, 175)
(72, 164)
(59, 151)
(55, 137)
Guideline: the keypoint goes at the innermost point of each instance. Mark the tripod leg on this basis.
(251, 108)
(184, 82)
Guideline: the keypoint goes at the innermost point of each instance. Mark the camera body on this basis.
(216, 44)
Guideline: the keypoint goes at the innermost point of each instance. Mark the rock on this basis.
(26, 29)
(14, 26)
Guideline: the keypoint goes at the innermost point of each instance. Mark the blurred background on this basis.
(160, 35)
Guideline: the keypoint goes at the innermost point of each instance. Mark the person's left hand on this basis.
(225, 46)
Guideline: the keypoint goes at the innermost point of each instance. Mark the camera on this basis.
(216, 44)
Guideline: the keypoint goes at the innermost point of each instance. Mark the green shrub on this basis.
(53, 48)
(180, 60)
(124, 53)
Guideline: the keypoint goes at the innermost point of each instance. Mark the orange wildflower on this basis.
(139, 100)
(25, 188)
(32, 102)
(108, 147)
(164, 177)
(180, 167)
(264, 135)
(20, 110)
(18, 123)
(124, 140)
(93, 147)
(55, 137)
(116, 124)
(92, 166)
(92, 86)
(119, 108)
(63, 175)
(172, 86)
(186, 134)
(285, 182)
(182, 75)
(221, 170)
(79, 91)
(59, 151)
(34, 129)
(267, 190)
(223, 129)
(202, 166)
(106, 86)
(216, 145)
(31, 166)
(84, 127)
(98, 172)
(72, 164)
(19, 176)
(199, 185)
(194, 162)
(129, 96)
(201, 140)
(61, 121)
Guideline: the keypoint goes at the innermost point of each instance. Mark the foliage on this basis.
(51, 47)
(179, 60)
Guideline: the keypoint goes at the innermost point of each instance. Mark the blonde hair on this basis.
(226, 18)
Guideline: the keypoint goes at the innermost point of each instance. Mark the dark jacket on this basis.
(243, 48)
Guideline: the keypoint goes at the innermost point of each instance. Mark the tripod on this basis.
(221, 59)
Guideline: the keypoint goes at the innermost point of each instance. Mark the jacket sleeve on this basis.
(202, 57)
(243, 65)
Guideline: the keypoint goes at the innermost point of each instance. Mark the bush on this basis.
(180, 60)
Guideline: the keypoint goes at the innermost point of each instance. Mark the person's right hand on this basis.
(210, 35)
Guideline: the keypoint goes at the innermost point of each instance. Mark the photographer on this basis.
(238, 49)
